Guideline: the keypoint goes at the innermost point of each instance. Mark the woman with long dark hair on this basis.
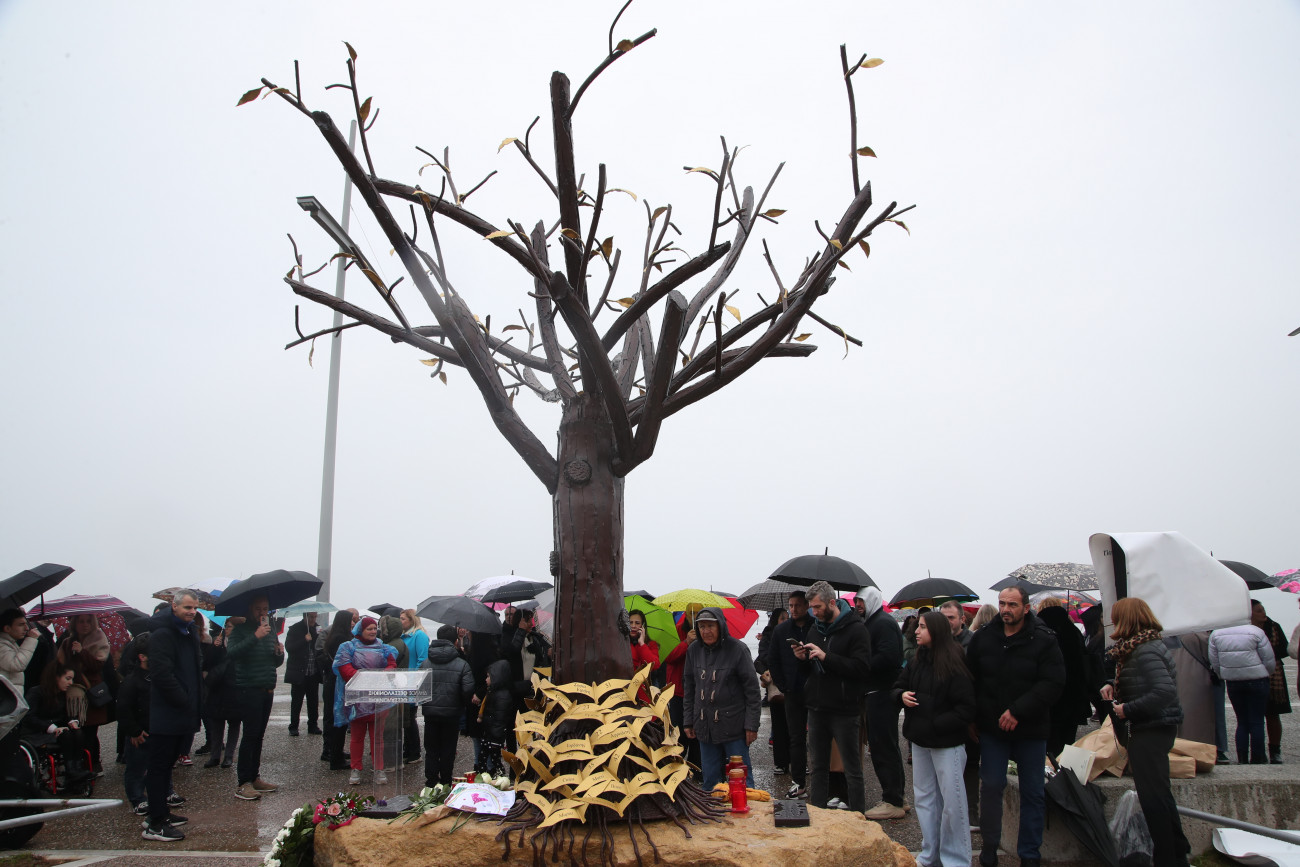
(339, 633)
(1146, 698)
(50, 720)
(938, 699)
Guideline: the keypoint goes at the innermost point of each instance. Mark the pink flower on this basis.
(334, 809)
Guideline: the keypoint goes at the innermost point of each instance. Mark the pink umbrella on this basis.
(76, 604)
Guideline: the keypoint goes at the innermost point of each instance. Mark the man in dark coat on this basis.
(1018, 674)
(836, 658)
(720, 697)
(175, 707)
(881, 710)
(789, 677)
(302, 673)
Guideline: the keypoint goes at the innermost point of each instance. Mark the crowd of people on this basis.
(976, 692)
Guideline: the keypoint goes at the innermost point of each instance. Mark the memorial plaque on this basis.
(790, 813)
(389, 686)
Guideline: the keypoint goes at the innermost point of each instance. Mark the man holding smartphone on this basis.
(789, 677)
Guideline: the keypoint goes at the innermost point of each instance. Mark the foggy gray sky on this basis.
(1085, 330)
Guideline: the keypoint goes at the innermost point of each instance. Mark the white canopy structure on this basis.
(1188, 590)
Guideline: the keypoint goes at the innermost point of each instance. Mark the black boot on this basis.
(1275, 754)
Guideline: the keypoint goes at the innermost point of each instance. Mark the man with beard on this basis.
(836, 658)
(1019, 673)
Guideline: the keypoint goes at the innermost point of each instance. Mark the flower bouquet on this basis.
(339, 810)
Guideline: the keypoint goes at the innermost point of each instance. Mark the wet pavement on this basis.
(222, 828)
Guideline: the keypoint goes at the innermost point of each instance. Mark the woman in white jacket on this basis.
(1243, 658)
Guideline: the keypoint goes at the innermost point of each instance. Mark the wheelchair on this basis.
(51, 772)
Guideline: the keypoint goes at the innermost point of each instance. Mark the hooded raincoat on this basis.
(720, 687)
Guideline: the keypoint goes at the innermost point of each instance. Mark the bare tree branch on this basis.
(604, 64)
(546, 322)
(375, 321)
(652, 296)
(471, 346)
(670, 337)
(597, 373)
(323, 332)
(566, 178)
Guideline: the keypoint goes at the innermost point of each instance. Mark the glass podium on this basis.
(392, 696)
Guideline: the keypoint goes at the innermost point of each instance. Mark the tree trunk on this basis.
(589, 647)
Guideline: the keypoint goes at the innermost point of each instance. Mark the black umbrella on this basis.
(460, 611)
(514, 591)
(281, 588)
(1256, 579)
(30, 583)
(385, 609)
(929, 591)
(1083, 808)
(644, 594)
(810, 568)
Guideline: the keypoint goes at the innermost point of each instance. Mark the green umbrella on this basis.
(659, 624)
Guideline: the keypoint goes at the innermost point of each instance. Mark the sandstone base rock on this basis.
(836, 838)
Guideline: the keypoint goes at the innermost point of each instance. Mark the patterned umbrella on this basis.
(1290, 580)
(207, 601)
(70, 605)
(679, 600)
(1072, 599)
(111, 623)
(1059, 576)
(769, 595)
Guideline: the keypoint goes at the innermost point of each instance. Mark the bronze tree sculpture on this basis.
(605, 430)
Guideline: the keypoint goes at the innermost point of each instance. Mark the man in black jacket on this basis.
(1018, 674)
(175, 707)
(302, 673)
(836, 658)
(789, 677)
(882, 713)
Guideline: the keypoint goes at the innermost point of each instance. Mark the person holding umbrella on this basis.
(253, 654)
(1146, 699)
(17, 644)
(302, 673)
(85, 648)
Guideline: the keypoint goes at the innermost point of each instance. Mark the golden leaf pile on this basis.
(587, 745)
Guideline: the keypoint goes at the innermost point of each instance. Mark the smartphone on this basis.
(794, 642)
(266, 621)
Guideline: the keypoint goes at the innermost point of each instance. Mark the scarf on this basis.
(1121, 649)
(828, 628)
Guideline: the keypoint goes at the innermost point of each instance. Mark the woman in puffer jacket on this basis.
(1145, 693)
(938, 699)
(1242, 657)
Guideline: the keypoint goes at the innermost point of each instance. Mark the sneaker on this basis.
(162, 832)
(354, 778)
(227, 763)
(885, 810)
(213, 762)
(842, 805)
(314, 730)
(246, 792)
(174, 800)
(796, 791)
(833, 804)
(203, 750)
(381, 778)
(262, 785)
(141, 809)
(293, 733)
(780, 772)
(185, 760)
(172, 819)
